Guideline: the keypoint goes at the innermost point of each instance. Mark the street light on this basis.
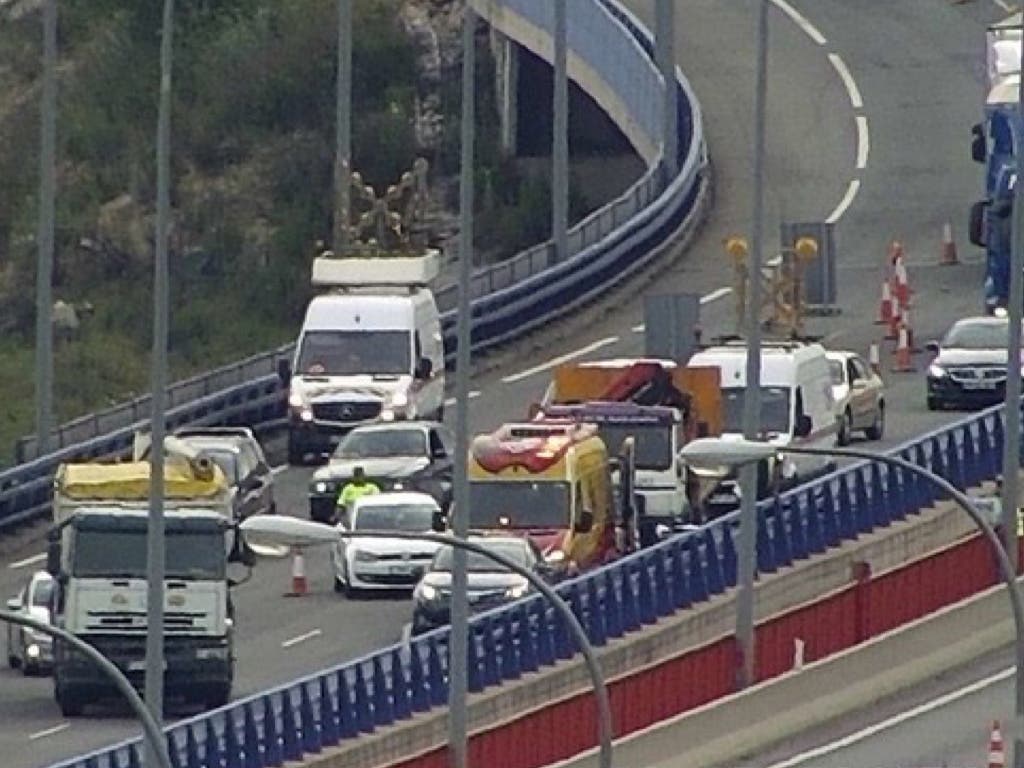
(713, 453)
(153, 737)
(267, 534)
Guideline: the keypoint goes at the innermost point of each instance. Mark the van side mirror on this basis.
(53, 554)
(439, 522)
(14, 604)
(585, 523)
(241, 552)
(933, 347)
(284, 372)
(803, 426)
(424, 368)
(976, 223)
(978, 149)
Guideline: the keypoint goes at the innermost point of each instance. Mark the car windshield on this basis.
(652, 447)
(414, 518)
(774, 409)
(381, 443)
(42, 593)
(837, 369)
(476, 562)
(985, 335)
(518, 504)
(350, 353)
(226, 460)
(122, 554)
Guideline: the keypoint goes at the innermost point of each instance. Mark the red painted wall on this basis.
(867, 608)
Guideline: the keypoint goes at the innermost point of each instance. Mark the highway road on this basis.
(868, 125)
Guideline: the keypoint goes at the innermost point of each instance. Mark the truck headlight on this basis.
(306, 414)
(295, 399)
(517, 591)
(399, 400)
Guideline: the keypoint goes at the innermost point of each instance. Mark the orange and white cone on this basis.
(885, 306)
(903, 363)
(874, 359)
(996, 749)
(901, 282)
(948, 255)
(300, 586)
(895, 320)
(905, 319)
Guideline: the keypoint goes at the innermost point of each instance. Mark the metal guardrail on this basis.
(511, 298)
(394, 684)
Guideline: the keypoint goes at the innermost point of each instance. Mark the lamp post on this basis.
(153, 737)
(283, 531)
(713, 452)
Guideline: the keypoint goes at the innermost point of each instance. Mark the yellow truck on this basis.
(550, 481)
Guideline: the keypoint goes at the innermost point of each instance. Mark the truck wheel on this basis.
(13, 661)
(296, 451)
(69, 700)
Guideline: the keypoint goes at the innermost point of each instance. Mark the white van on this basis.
(797, 406)
(370, 349)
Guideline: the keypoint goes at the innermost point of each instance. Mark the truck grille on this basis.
(135, 621)
(361, 411)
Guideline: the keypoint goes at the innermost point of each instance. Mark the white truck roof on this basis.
(780, 361)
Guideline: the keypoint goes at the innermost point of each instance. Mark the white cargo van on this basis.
(370, 349)
(797, 405)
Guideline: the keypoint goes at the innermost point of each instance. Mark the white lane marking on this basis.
(559, 360)
(851, 193)
(473, 394)
(863, 142)
(28, 561)
(49, 731)
(847, 78)
(715, 295)
(301, 638)
(896, 720)
(801, 21)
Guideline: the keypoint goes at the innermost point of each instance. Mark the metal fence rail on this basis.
(393, 684)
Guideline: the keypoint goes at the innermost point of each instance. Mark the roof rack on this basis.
(375, 271)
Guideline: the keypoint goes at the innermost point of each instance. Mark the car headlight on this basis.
(936, 371)
(517, 591)
(555, 556)
(1000, 312)
(320, 487)
(295, 399)
(399, 400)
(428, 592)
(362, 556)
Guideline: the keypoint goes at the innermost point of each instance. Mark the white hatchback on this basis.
(385, 562)
(859, 395)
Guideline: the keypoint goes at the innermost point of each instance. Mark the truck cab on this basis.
(550, 482)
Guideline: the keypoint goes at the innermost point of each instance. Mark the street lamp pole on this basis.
(715, 451)
(560, 134)
(152, 735)
(343, 130)
(752, 398)
(459, 646)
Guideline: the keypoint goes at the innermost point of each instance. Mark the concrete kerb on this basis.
(888, 548)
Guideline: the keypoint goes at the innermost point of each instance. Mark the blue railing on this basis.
(360, 697)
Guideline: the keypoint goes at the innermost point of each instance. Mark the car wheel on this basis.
(845, 427)
(12, 660)
(876, 430)
(69, 700)
(296, 451)
(933, 403)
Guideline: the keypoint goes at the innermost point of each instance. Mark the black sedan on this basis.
(396, 456)
(969, 369)
(489, 584)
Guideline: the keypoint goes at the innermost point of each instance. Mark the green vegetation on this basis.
(253, 134)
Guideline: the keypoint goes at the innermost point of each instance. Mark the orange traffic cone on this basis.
(894, 322)
(300, 586)
(903, 363)
(885, 306)
(901, 282)
(910, 332)
(996, 750)
(874, 358)
(948, 253)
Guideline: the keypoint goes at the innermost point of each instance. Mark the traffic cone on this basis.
(903, 363)
(996, 750)
(874, 358)
(948, 253)
(901, 282)
(905, 318)
(885, 306)
(894, 322)
(300, 586)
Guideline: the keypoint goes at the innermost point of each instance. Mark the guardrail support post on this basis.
(560, 137)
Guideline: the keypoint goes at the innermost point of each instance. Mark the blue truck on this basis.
(992, 145)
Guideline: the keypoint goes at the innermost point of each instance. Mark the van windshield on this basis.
(652, 447)
(523, 504)
(350, 353)
(774, 409)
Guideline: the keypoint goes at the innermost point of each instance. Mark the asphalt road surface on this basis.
(868, 121)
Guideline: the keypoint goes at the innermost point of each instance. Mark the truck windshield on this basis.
(122, 554)
(774, 409)
(350, 353)
(540, 504)
(653, 443)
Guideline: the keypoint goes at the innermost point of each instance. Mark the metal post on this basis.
(665, 53)
(560, 136)
(747, 562)
(459, 645)
(1011, 443)
(152, 734)
(44, 265)
(155, 539)
(343, 130)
